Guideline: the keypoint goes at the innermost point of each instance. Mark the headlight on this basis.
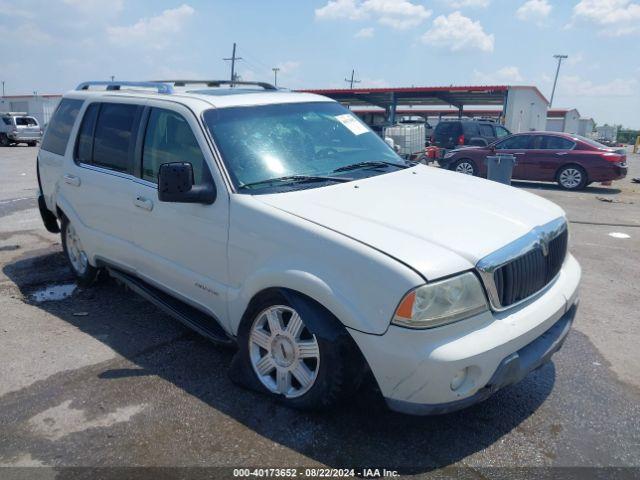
(441, 302)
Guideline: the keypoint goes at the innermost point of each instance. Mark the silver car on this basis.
(16, 127)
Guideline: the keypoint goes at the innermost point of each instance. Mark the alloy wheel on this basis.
(76, 254)
(570, 178)
(284, 354)
(464, 167)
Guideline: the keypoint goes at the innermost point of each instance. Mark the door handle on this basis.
(518, 153)
(72, 180)
(560, 154)
(143, 203)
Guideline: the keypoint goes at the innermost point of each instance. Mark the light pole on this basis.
(555, 81)
(2, 88)
(275, 76)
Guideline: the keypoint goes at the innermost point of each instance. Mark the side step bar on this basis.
(201, 322)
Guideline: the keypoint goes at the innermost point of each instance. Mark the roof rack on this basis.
(216, 83)
(160, 86)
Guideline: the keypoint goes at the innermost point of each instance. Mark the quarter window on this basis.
(114, 137)
(58, 131)
(486, 130)
(169, 139)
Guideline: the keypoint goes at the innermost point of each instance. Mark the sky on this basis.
(49, 46)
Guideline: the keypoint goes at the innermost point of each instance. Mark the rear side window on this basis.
(517, 142)
(59, 129)
(486, 130)
(471, 129)
(169, 139)
(556, 143)
(84, 152)
(7, 121)
(114, 137)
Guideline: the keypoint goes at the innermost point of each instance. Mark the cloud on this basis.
(458, 33)
(508, 75)
(364, 33)
(398, 14)
(574, 85)
(468, 3)
(615, 17)
(9, 9)
(534, 10)
(153, 32)
(28, 33)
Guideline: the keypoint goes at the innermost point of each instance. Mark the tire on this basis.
(32, 144)
(465, 166)
(572, 177)
(4, 140)
(85, 274)
(331, 370)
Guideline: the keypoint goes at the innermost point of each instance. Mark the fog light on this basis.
(458, 379)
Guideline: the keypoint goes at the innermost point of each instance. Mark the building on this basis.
(586, 126)
(563, 120)
(519, 108)
(39, 106)
(607, 133)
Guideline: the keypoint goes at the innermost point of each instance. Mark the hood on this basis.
(436, 221)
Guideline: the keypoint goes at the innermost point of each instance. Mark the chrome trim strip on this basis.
(539, 237)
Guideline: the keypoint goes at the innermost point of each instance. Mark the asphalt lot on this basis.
(102, 378)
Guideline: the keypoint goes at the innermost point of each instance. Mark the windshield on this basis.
(282, 141)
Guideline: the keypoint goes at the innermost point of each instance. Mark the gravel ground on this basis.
(102, 378)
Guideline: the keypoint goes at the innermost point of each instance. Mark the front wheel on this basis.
(4, 140)
(572, 177)
(84, 272)
(466, 166)
(291, 361)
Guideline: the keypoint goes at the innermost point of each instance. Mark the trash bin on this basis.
(500, 168)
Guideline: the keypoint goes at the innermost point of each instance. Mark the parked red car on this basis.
(571, 160)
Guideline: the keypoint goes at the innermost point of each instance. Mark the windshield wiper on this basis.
(379, 163)
(296, 179)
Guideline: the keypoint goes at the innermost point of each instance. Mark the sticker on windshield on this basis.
(352, 123)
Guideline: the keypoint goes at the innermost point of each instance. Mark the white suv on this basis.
(281, 223)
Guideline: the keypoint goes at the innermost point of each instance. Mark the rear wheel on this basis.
(466, 166)
(293, 363)
(72, 247)
(572, 177)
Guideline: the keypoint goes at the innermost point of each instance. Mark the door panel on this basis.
(183, 247)
(518, 146)
(548, 154)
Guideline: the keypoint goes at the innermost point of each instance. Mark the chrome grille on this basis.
(524, 267)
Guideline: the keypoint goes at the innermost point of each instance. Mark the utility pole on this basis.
(351, 81)
(2, 88)
(113, 77)
(233, 63)
(275, 76)
(555, 81)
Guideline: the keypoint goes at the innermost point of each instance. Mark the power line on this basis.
(233, 63)
(352, 81)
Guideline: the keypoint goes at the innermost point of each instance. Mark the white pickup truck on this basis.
(279, 222)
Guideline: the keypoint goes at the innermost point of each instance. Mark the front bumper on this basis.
(415, 369)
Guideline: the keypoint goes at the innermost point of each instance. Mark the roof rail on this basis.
(216, 83)
(160, 86)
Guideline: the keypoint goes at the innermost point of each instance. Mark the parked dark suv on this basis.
(454, 133)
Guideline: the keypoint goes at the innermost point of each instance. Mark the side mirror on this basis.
(175, 184)
(492, 149)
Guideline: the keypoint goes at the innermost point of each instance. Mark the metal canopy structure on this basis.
(390, 98)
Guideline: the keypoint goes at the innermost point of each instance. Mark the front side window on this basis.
(517, 142)
(501, 131)
(59, 129)
(319, 139)
(114, 137)
(169, 138)
(7, 121)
